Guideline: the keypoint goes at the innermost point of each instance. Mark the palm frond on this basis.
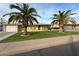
(66, 13)
(25, 5)
(30, 22)
(25, 8)
(59, 12)
(55, 14)
(36, 15)
(72, 13)
(73, 21)
(34, 19)
(13, 13)
(11, 18)
(32, 10)
(63, 12)
(15, 7)
(55, 21)
(56, 17)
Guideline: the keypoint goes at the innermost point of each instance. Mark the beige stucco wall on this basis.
(77, 27)
(32, 28)
(35, 28)
(55, 25)
(14, 28)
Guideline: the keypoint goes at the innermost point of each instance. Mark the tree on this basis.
(63, 17)
(26, 15)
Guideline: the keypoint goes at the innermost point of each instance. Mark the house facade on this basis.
(18, 27)
(38, 27)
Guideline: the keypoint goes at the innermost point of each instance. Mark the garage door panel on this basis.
(11, 28)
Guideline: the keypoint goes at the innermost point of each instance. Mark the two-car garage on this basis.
(11, 28)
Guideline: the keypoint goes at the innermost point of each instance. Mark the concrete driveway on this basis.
(57, 46)
(4, 35)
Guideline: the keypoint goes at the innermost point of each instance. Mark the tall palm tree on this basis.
(26, 15)
(63, 17)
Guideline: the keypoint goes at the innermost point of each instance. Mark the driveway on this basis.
(4, 35)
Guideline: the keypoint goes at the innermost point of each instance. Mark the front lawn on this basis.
(36, 35)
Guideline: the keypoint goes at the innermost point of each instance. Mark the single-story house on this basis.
(38, 27)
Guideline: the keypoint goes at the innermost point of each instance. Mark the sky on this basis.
(45, 10)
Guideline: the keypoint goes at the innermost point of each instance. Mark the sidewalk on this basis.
(14, 48)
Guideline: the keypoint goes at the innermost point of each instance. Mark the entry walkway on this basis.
(66, 45)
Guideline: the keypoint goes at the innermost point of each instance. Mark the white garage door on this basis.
(11, 28)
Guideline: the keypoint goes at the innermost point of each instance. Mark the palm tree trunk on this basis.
(61, 26)
(61, 29)
(25, 25)
(25, 31)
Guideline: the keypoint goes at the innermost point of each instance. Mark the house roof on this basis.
(72, 24)
(31, 25)
(43, 24)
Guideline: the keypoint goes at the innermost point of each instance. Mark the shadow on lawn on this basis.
(71, 49)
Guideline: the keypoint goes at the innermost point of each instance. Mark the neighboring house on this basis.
(67, 27)
(56, 24)
(71, 27)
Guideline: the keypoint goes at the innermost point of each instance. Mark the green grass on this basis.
(36, 35)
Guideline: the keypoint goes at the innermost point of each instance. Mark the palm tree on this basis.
(26, 15)
(63, 17)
